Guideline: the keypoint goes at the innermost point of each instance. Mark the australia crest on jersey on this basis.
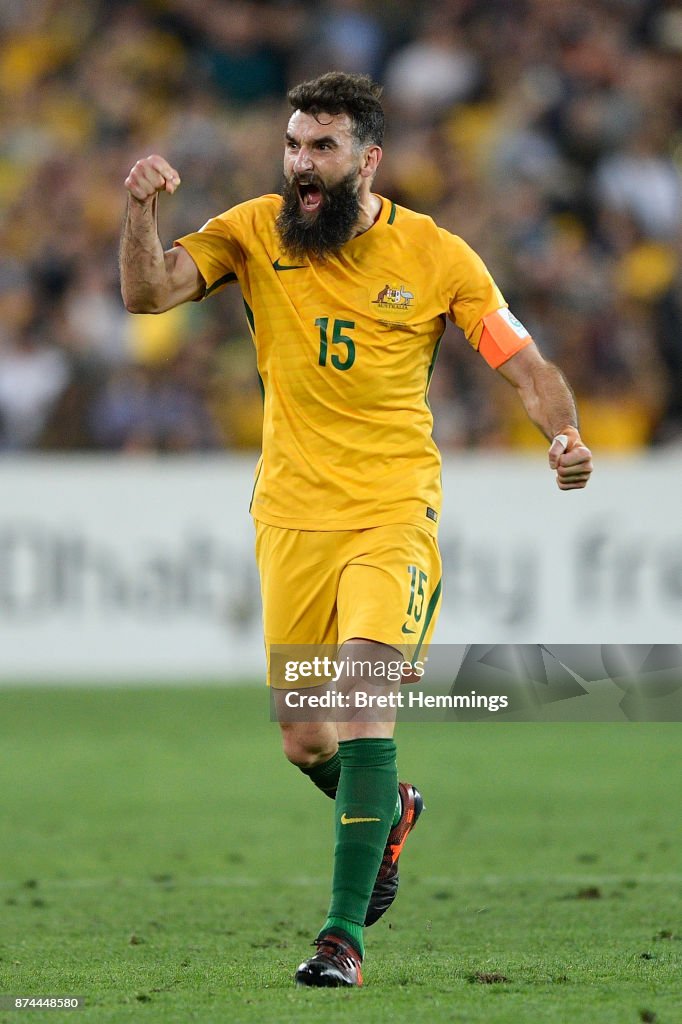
(394, 297)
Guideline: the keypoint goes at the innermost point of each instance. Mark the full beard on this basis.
(322, 234)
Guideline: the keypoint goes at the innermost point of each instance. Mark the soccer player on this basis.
(346, 295)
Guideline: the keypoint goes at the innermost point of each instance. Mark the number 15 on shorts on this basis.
(415, 605)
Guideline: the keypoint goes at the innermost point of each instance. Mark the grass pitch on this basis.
(161, 860)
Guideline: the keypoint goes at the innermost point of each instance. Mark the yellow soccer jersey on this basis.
(345, 351)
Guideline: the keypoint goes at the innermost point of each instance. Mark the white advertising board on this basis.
(142, 570)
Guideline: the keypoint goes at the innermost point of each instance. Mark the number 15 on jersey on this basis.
(339, 359)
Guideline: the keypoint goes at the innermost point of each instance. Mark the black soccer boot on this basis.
(386, 886)
(336, 964)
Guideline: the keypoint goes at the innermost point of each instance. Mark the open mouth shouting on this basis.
(310, 195)
(315, 219)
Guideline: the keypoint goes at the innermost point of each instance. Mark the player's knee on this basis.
(305, 751)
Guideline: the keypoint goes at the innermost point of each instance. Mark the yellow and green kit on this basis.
(345, 350)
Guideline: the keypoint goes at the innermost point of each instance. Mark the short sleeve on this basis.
(216, 250)
(472, 292)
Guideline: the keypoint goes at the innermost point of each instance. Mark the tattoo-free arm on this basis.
(549, 402)
(152, 280)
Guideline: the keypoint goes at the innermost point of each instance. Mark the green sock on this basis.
(326, 775)
(352, 931)
(365, 806)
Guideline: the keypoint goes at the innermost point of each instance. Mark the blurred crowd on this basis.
(547, 133)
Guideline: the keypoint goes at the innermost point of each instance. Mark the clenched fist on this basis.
(571, 459)
(151, 175)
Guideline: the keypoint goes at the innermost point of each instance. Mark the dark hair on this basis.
(341, 93)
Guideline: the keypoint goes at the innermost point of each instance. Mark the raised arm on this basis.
(549, 403)
(152, 280)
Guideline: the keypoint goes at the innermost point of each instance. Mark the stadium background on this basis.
(549, 135)
(546, 133)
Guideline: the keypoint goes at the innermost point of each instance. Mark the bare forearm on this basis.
(142, 262)
(153, 280)
(548, 400)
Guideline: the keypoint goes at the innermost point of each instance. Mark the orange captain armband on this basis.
(503, 336)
